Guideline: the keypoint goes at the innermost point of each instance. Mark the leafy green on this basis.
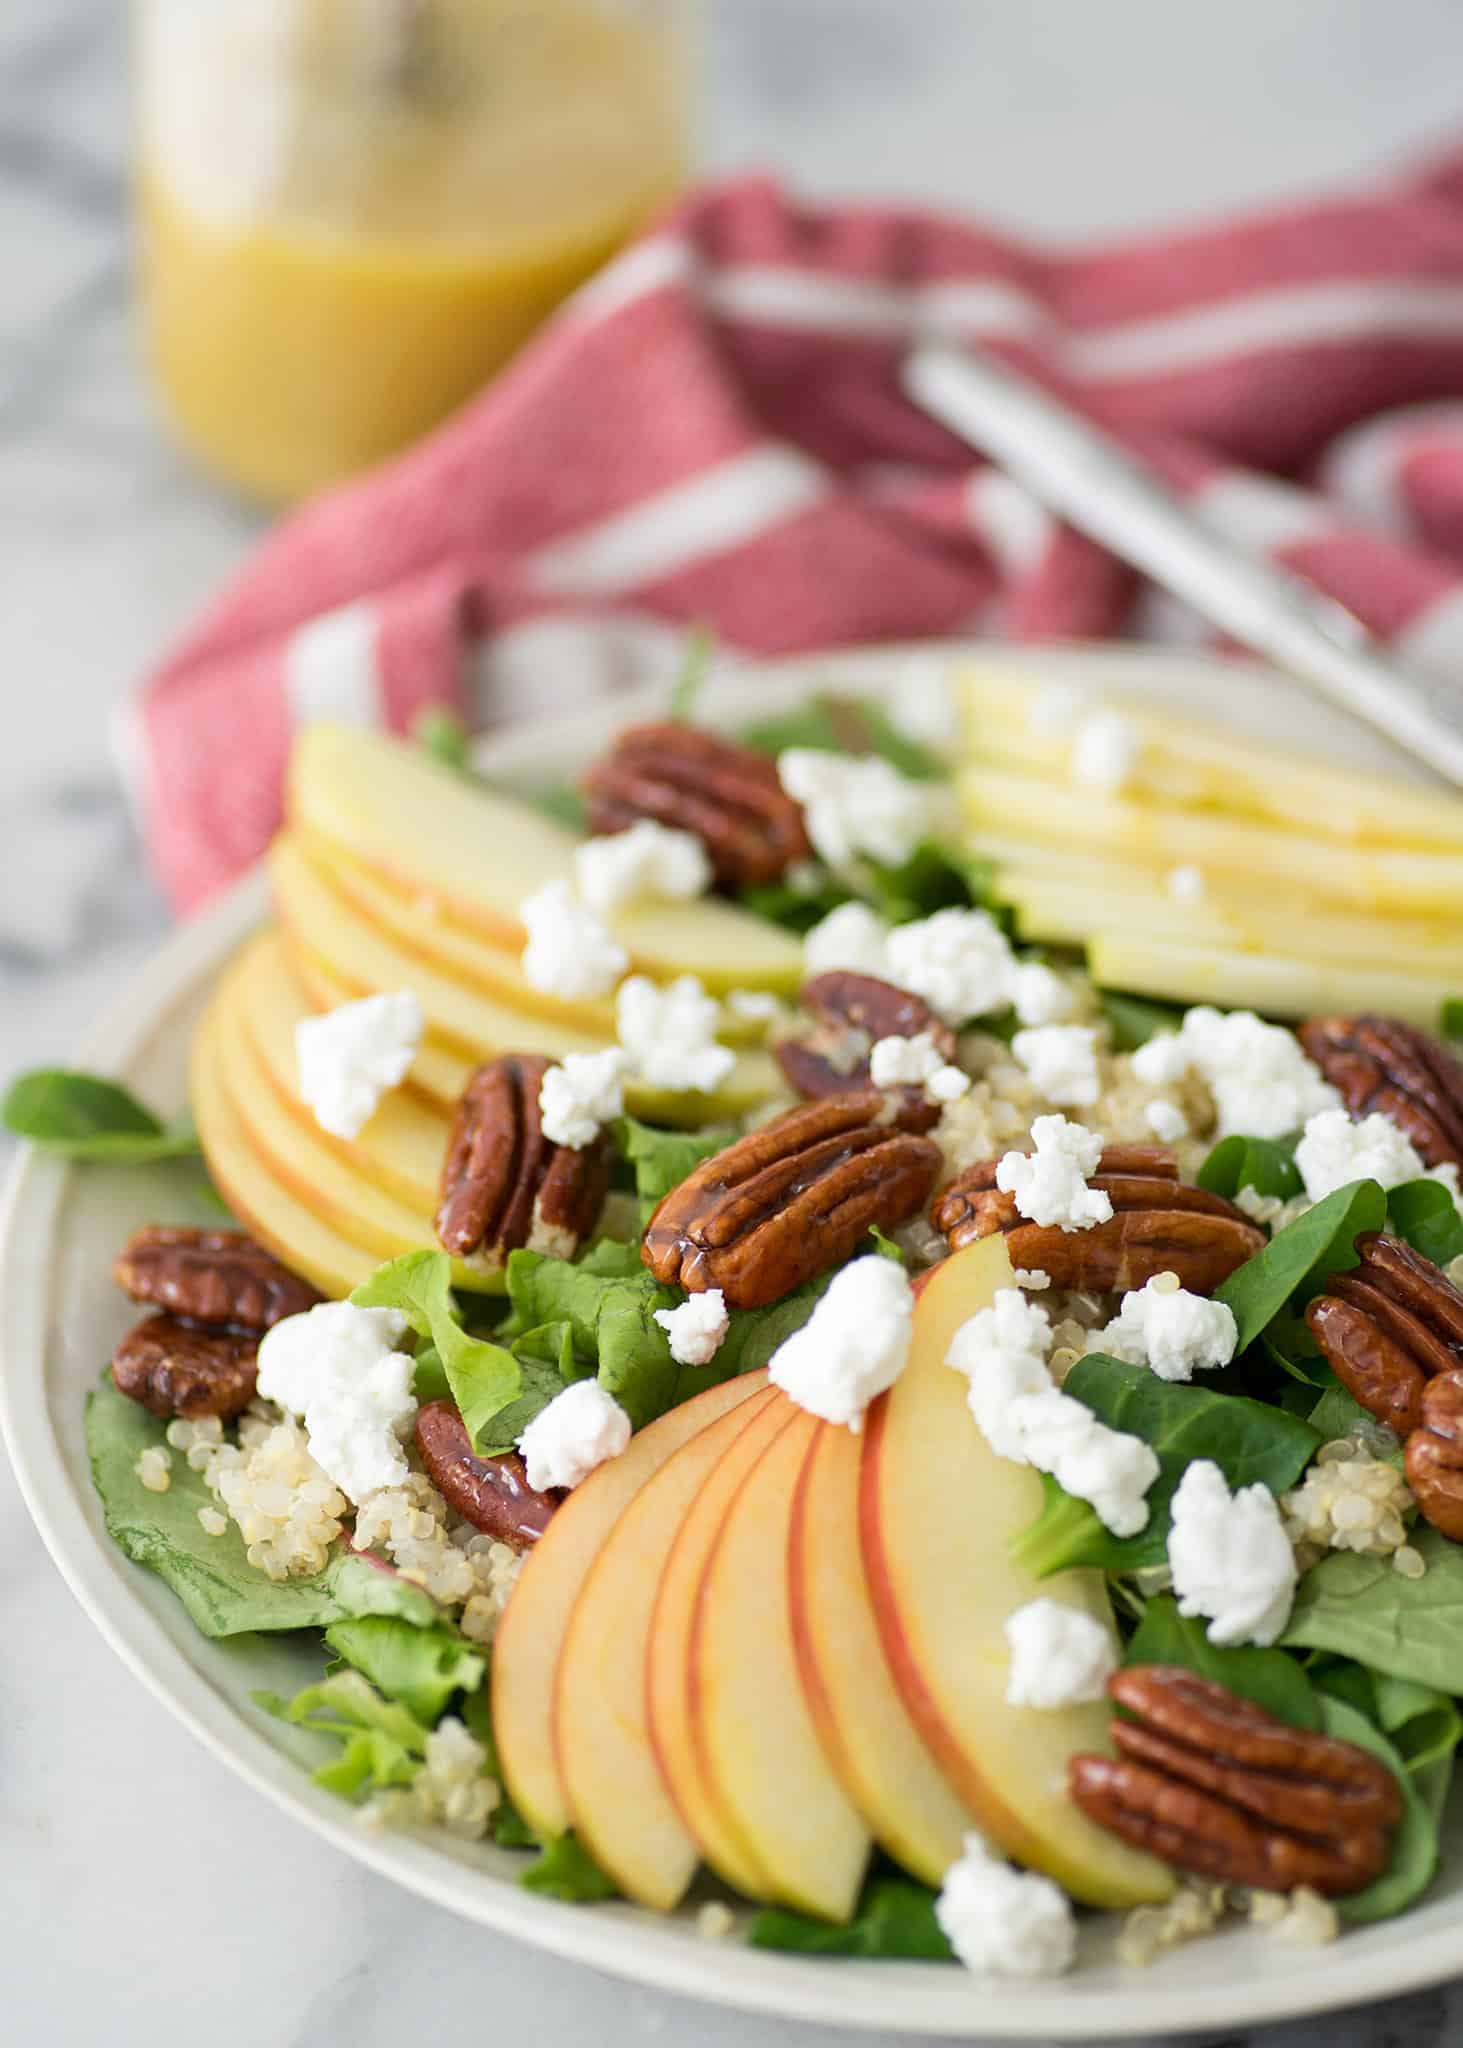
(934, 877)
(444, 736)
(487, 1382)
(610, 1316)
(695, 665)
(562, 802)
(564, 1869)
(885, 1247)
(87, 1117)
(1321, 1242)
(834, 724)
(895, 1918)
(420, 1667)
(1358, 1606)
(1425, 1214)
(794, 906)
(1265, 1164)
(382, 1743)
(1247, 1440)
(1338, 1414)
(1450, 1020)
(1270, 1678)
(661, 1160)
(1133, 1020)
(224, 1594)
(1414, 1846)
(1423, 1724)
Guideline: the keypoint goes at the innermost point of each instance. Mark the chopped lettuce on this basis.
(564, 1869)
(661, 1160)
(419, 1667)
(382, 1742)
(486, 1381)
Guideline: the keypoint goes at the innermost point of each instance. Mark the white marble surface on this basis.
(147, 1900)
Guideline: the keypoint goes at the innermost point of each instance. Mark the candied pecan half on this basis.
(1387, 1327)
(1212, 1783)
(504, 1184)
(1380, 1063)
(729, 796)
(491, 1493)
(794, 1197)
(1159, 1225)
(1433, 1459)
(848, 1013)
(219, 1278)
(174, 1368)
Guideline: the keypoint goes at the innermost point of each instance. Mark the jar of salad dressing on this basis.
(352, 212)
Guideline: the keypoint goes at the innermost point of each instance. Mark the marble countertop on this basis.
(147, 1900)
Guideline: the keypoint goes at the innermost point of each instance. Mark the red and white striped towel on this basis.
(712, 430)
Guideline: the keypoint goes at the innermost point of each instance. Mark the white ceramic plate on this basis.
(60, 1318)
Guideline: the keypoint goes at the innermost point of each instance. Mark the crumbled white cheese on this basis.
(1002, 1351)
(669, 1034)
(1334, 1151)
(1038, 994)
(960, 961)
(1061, 1060)
(757, 1005)
(339, 1368)
(571, 952)
(1186, 884)
(1050, 1183)
(1032, 1280)
(1230, 1557)
(696, 1327)
(1008, 1922)
(1105, 750)
(1060, 1655)
(580, 1095)
(916, 1063)
(855, 805)
(578, 1430)
(1174, 1333)
(646, 861)
(852, 937)
(1261, 1080)
(1166, 1121)
(854, 1344)
(348, 1058)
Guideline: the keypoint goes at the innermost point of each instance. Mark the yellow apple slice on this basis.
(862, 1722)
(668, 1670)
(1283, 987)
(760, 1759)
(530, 1638)
(438, 1074)
(937, 1511)
(428, 832)
(612, 1783)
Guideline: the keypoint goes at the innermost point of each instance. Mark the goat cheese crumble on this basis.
(1166, 1121)
(1334, 1151)
(916, 1062)
(854, 1344)
(570, 952)
(1174, 1333)
(696, 1327)
(1060, 1655)
(669, 1034)
(648, 860)
(1061, 1060)
(1050, 1183)
(1038, 994)
(959, 961)
(852, 937)
(1105, 750)
(855, 805)
(1230, 1557)
(1260, 1078)
(339, 1368)
(351, 1056)
(1011, 1923)
(580, 1095)
(578, 1430)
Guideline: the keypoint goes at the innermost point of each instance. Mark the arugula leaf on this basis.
(695, 664)
(835, 724)
(1247, 1440)
(383, 1744)
(87, 1117)
(1357, 1606)
(1270, 1678)
(895, 1917)
(1133, 1020)
(1265, 1164)
(1320, 1243)
(1425, 1214)
(564, 1869)
(223, 1593)
(1414, 1856)
(661, 1160)
(420, 1667)
(443, 735)
(1450, 1020)
(487, 1382)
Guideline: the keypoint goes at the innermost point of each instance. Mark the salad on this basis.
(855, 1323)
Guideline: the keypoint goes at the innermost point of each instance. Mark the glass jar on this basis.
(352, 212)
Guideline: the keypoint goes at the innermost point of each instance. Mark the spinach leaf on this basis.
(695, 665)
(564, 1869)
(443, 735)
(1265, 1164)
(661, 1160)
(796, 908)
(834, 724)
(1357, 1606)
(1339, 1414)
(1423, 1724)
(933, 878)
(420, 1667)
(895, 1918)
(1320, 1243)
(487, 1382)
(1425, 1214)
(1133, 1020)
(1247, 1440)
(86, 1117)
(1415, 1844)
(222, 1591)
(1270, 1678)
(1450, 1019)
(382, 1742)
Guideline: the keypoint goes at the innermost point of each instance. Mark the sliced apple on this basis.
(762, 1764)
(612, 1784)
(937, 1511)
(1282, 987)
(530, 1638)
(477, 854)
(668, 1670)
(862, 1722)
(438, 1074)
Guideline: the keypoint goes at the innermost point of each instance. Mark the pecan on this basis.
(1387, 1327)
(174, 1368)
(793, 1198)
(848, 1012)
(729, 796)
(504, 1184)
(1433, 1460)
(219, 1278)
(1382, 1064)
(491, 1493)
(1212, 1783)
(1159, 1224)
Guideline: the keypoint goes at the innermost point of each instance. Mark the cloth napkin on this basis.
(712, 430)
